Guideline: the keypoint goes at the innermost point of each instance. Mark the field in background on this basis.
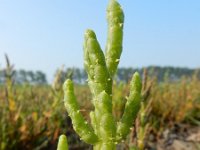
(32, 116)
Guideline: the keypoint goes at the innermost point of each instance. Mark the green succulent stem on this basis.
(62, 143)
(80, 125)
(104, 133)
(132, 107)
(115, 19)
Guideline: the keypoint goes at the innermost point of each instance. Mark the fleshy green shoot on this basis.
(103, 132)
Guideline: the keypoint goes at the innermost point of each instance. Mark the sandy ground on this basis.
(180, 137)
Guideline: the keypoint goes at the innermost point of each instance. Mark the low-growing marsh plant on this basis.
(104, 133)
(143, 122)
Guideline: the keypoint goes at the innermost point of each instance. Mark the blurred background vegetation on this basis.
(32, 114)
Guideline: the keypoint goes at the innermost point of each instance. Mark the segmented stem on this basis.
(115, 19)
(80, 125)
(131, 108)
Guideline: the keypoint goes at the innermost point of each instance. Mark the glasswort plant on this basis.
(104, 132)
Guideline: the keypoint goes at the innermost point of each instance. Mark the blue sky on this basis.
(45, 34)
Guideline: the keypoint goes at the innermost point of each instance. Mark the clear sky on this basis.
(45, 34)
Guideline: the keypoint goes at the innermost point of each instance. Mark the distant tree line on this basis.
(125, 74)
(161, 73)
(79, 75)
(22, 76)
